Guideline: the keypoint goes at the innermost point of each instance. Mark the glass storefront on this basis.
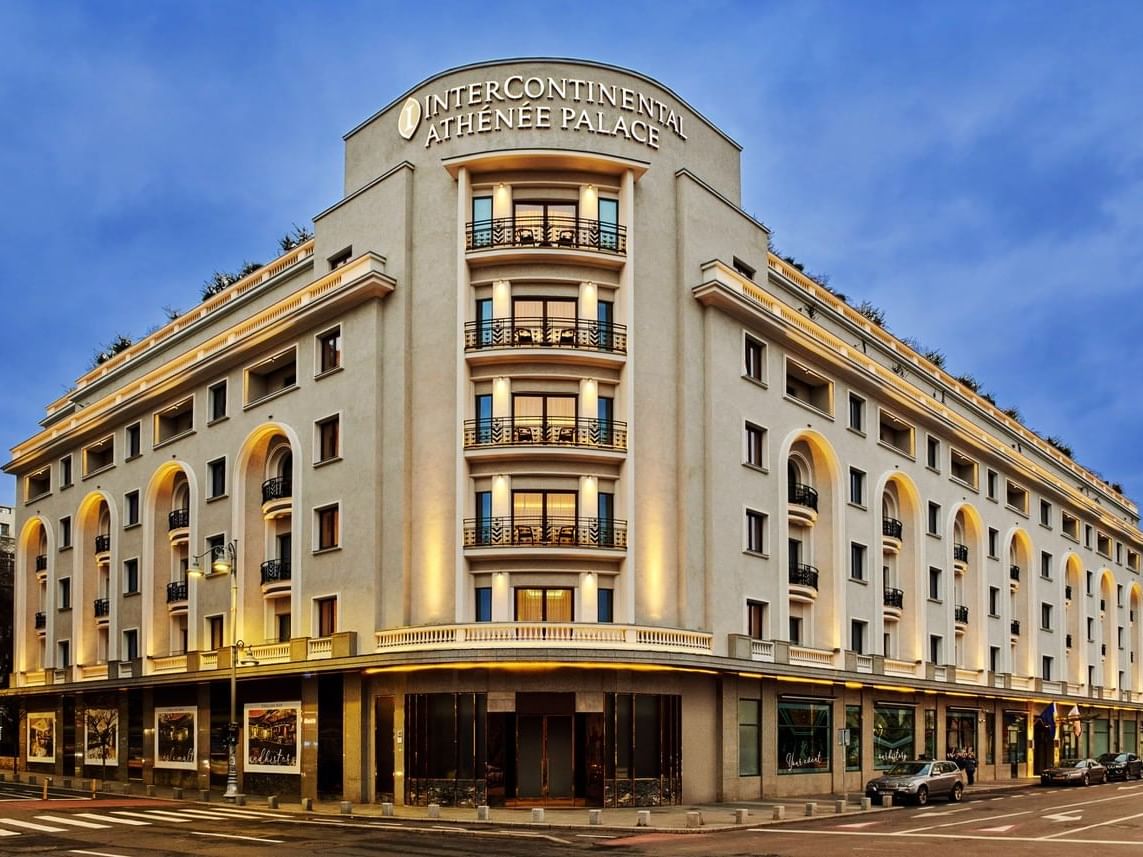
(989, 738)
(749, 737)
(1015, 737)
(853, 747)
(803, 736)
(1100, 736)
(930, 733)
(960, 731)
(894, 734)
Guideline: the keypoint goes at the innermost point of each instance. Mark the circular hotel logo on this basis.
(409, 118)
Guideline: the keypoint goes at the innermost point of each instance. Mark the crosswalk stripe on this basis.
(9, 833)
(198, 813)
(148, 817)
(246, 813)
(160, 815)
(31, 825)
(96, 817)
(75, 822)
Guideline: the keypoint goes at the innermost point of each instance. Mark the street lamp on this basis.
(224, 560)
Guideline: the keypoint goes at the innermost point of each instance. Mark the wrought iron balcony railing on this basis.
(177, 519)
(960, 552)
(960, 614)
(275, 570)
(580, 334)
(176, 591)
(41, 621)
(278, 488)
(102, 607)
(565, 233)
(533, 431)
(1068, 641)
(42, 562)
(1014, 573)
(894, 598)
(548, 532)
(1015, 628)
(803, 495)
(1068, 593)
(803, 575)
(103, 543)
(891, 527)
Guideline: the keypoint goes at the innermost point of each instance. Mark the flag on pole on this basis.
(1077, 723)
(1048, 717)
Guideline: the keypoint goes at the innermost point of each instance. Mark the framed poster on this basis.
(176, 737)
(100, 733)
(41, 736)
(272, 738)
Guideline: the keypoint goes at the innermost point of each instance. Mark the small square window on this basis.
(935, 584)
(745, 270)
(174, 421)
(856, 412)
(326, 616)
(1046, 616)
(130, 576)
(1045, 513)
(328, 527)
(329, 350)
(133, 436)
(755, 354)
(857, 636)
(64, 593)
(755, 532)
(809, 387)
(933, 453)
(856, 486)
(131, 508)
(1045, 565)
(993, 601)
(755, 446)
(99, 455)
(328, 438)
(65, 532)
(857, 561)
(130, 645)
(483, 600)
(935, 648)
(216, 477)
(605, 605)
(756, 620)
(1046, 668)
(217, 401)
(934, 519)
(993, 542)
(38, 484)
(65, 472)
(992, 484)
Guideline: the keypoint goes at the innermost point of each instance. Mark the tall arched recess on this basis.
(905, 594)
(96, 549)
(33, 588)
(1134, 622)
(970, 610)
(809, 543)
(1109, 631)
(1021, 628)
(1075, 622)
(169, 524)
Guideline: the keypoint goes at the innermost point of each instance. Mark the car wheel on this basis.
(956, 794)
(922, 796)
(1086, 780)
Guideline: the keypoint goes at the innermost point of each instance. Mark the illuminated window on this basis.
(544, 605)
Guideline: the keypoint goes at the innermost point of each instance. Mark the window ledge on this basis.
(325, 374)
(857, 431)
(757, 467)
(758, 382)
(173, 438)
(860, 506)
(1015, 509)
(936, 600)
(37, 498)
(133, 526)
(968, 485)
(758, 554)
(63, 548)
(255, 402)
(1069, 536)
(217, 497)
(902, 452)
(326, 461)
(809, 407)
(132, 594)
(860, 580)
(319, 551)
(932, 469)
(65, 487)
(132, 457)
(102, 469)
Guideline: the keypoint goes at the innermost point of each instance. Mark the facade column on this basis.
(309, 727)
(203, 771)
(353, 733)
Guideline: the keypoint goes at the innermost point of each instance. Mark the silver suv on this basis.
(918, 780)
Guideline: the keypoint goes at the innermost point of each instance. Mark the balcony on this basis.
(960, 555)
(803, 582)
(102, 610)
(891, 530)
(1015, 628)
(803, 504)
(103, 547)
(960, 614)
(41, 622)
(1014, 576)
(177, 596)
(562, 334)
(547, 635)
(275, 575)
(894, 601)
(277, 497)
(178, 526)
(564, 433)
(42, 562)
(509, 236)
(545, 532)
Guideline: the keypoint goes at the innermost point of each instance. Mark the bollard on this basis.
(387, 810)
(866, 803)
(177, 793)
(204, 795)
(811, 807)
(595, 816)
(64, 783)
(272, 802)
(537, 813)
(434, 810)
(483, 813)
(47, 782)
(346, 807)
(886, 800)
(838, 807)
(740, 816)
(643, 818)
(694, 819)
(779, 813)
(308, 805)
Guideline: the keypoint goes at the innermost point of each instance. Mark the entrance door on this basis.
(383, 761)
(544, 761)
(1043, 748)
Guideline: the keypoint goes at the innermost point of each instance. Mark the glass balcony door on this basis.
(546, 223)
(543, 419)
(544, 517)
(544, 321)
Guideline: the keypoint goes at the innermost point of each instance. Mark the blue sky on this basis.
(975, 169)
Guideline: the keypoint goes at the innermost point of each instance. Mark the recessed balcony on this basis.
(42, 566)
(530, 433)
(41, 623)
(803, 508)
(585, 340)
(545, 533)
(103, 548)
(532, 236)
(1014, 576)
(891, 530)
(277, 497)
(275, 575)
(960, 556)
(178, 526)
(803, 582)
(1068, 593)
(177, 596)
(894, 601)
(960, 617)
(102, 609)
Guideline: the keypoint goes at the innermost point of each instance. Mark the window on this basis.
(755, 532)
(214, 632)
(894, 734)
(545, 604)
(993, 601)
(65, 593)
(130, 508)
(1132, 560)
(935, 583)
(216, 401)
(38, 484)
(328, 439)
(755, 354)
(857, 562)
(993, 542)
(130, 645)
(99, 455)
(608, 223)
(1045, 513)
(1016, 497)
(481, 221)
(805, 385)
(176, 420)
(342, 257)
(1087, 535)
(1046, 616)
(1103, 545)
(755, 446)
(756, 620)
(993, 480)
(216, 477)
(1119, 553)
(65, 472)
(994, 658)
(857, 636)
(744, 269)
(329, 350)
(1119, 595)
(133, 435)
(328, 528)
(935, 641)
(1045, 565)
(856, 413)
(856, 486)
(605, 605)
(804, 737)
(63, 654)
(934, 521)
(1090, 629)
(895, 433)
(131, 577)
(216, 549)
(749, 737)
(1046, 668)
(1119, 640)
(65, 533)
(964, 469)
(795, 630)
(271, 376)
(483, 604)
(853, 747)
(326, 616)
(933, 453)
(1070, 525)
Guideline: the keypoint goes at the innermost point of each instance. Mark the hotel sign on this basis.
(542, 103)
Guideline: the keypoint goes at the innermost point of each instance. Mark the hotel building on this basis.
(536, 477)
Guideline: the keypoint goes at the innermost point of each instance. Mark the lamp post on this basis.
(226, 562)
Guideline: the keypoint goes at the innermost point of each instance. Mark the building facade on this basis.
(536, 477)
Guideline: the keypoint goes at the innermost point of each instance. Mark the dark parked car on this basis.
(1122, 766)
(918, 781)
(1074, 772)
